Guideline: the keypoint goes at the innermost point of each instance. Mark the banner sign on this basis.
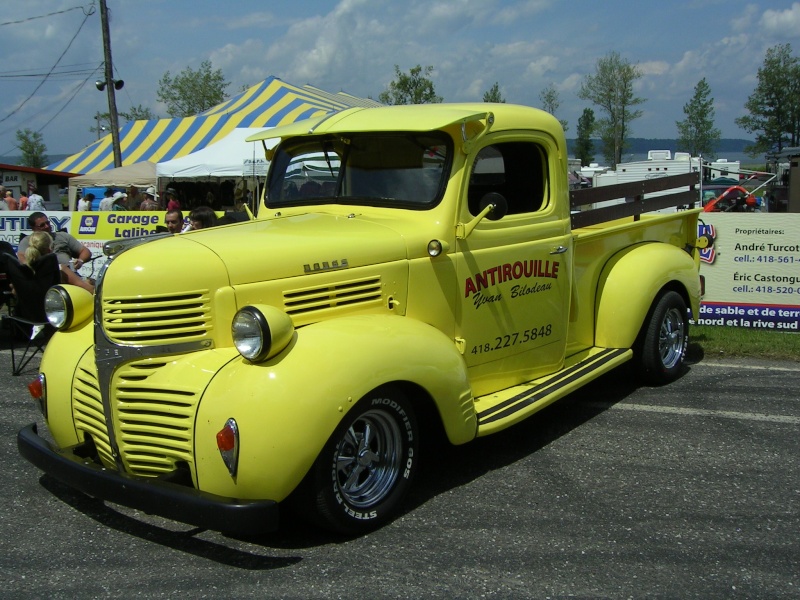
(92, 229)
(752, 273)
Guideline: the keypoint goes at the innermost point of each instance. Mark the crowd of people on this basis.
(25, 202)
(70, 254)
(131, 200)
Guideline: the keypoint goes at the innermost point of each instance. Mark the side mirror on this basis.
(500, 203)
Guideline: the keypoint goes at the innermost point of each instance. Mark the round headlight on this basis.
(57, 307)
(250, 333)
(260, 332)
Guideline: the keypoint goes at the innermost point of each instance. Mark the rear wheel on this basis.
(365, 469)
(662, 343)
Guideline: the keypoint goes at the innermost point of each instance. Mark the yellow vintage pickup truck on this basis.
(408, 266)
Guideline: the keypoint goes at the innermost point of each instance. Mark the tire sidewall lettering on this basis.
(407, 426)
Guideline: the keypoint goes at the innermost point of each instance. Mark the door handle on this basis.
(559, 250)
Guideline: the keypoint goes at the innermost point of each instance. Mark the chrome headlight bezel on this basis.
(250, 333)
(259, 332)
(67, 306)
(58, 307)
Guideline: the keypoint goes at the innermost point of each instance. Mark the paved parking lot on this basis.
(687, 491)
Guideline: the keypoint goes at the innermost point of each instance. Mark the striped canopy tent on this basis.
(269, 104)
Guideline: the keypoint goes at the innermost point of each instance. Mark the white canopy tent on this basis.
(231, 157)
(141, 175)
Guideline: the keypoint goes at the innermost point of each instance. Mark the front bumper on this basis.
(152, 496)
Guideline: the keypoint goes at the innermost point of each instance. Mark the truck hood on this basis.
(274, 249)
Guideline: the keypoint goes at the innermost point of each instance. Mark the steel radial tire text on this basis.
(662, 344)
(364, 471)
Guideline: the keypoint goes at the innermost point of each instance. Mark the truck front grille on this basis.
(154, 420)
(346, 293)
(157, 319)
(87, 408)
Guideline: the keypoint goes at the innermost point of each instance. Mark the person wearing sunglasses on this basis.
(67, 248)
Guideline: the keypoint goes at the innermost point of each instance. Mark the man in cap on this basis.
(150, 201)
(173, 203)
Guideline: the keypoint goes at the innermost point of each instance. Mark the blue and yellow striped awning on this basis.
(271, 103)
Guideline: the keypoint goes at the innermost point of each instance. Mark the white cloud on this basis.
(782, 23)
(654, 67)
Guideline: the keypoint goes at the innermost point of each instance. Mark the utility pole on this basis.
(110, 84)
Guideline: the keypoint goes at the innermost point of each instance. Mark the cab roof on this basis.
(415, 117)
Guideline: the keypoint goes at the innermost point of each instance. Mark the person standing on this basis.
(150, 201)
(119, 201)
(85, 203)
(35, 201)
(23, 201)
(173, 203)
(108, 200)
(11, 201)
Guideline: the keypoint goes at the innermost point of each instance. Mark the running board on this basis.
(504, 408)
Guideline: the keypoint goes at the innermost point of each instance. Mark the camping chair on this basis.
(26, 318)
(5, 283)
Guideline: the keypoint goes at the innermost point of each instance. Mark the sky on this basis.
(353, 46)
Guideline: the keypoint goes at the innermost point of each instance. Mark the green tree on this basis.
(611, 89)
(774, 106)
(192, 92)
(32, 147)
(493, 94)
(415, 87)
(138, 113)
(696, 133)
(550, 102)
(584, 145)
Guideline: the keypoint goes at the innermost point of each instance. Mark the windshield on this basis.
(405, 170)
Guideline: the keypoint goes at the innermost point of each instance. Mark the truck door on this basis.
(515, 271)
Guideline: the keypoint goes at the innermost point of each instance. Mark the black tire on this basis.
(662, 343)
(363, 473)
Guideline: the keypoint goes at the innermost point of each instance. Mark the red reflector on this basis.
(226, 439)
(35, 388)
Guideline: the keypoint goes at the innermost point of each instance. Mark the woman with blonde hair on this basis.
(41, 245)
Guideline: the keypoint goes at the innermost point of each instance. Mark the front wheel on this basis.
(662, 343)
(361, 476)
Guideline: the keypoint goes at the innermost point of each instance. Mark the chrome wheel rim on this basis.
(367, 459)
(672, 338)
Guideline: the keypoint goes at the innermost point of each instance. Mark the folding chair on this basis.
(26, 317)
(5, 284)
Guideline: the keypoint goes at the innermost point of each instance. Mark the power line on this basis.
(38, 87)
(60, 12)
(70, 99)
(26, 71)
(58, 75)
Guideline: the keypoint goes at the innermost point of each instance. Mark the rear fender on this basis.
(629, 283)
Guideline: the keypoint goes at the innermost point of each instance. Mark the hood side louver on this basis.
(348, 293)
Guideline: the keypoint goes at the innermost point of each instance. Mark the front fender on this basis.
(286, 408)
(60, 360)
(629, 283)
